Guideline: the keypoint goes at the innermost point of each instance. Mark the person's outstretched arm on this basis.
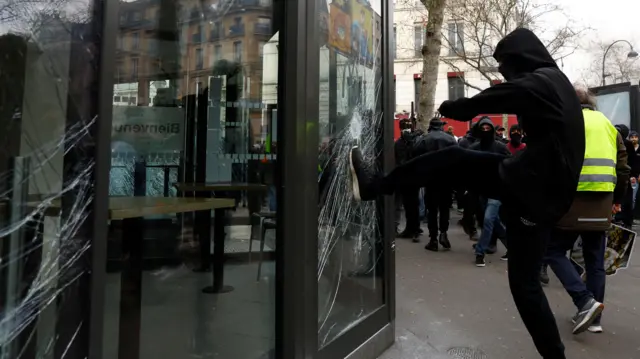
(507, 97)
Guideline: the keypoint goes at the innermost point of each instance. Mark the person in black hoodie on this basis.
(626, 214)
(408, 197)
(437, 199)
(489, 142)
(536, 187)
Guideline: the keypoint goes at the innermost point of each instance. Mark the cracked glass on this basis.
(350, 277)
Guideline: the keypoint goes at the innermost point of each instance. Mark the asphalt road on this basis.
(443, 302)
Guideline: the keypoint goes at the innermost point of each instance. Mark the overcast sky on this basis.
(610, 19)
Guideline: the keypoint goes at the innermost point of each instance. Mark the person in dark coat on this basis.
(633, 161)
(437, 195)
(409, 197)
(536, 187)
(491, 223)
(500, 135)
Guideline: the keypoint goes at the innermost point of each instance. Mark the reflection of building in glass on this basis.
(174, 48)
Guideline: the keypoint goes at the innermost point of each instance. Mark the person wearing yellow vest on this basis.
(603, 182)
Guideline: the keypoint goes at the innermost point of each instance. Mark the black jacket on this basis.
(633, 160)
(433, 141)
(403, 147)
(489, 142)
(542, 180)
(467, 140)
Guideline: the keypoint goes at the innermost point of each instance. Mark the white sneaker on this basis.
(595, 328)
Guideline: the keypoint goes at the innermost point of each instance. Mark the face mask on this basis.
(516, 139)
(486, 136)
(406, 130)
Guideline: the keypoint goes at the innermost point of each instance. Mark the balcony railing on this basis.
(236, 30)
(262, 29)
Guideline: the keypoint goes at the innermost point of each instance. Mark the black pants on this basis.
(626, 214)
(437, 202)
(411, 204)
(527, 241)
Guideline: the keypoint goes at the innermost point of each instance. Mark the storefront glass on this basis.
(350, 240)
(194, 116)
(48, 119)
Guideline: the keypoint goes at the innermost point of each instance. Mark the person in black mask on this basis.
(626, 214)
(408, 198)
(536, 187)
(437, 199)
(515, 144)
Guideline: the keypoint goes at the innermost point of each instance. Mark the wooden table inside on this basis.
(220, 186)
(132, 210)
(133, 207)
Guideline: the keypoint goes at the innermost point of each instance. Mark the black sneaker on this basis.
(480, 261)
(432, 246)
(444, 241)
(505, 257)
(474, 236)
(360, 178)
(544, 276)
(587, 315)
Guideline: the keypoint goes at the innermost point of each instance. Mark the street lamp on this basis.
(631, 54)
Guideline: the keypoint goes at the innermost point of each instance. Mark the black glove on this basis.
(446, 109)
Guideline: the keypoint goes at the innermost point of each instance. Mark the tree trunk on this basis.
(430, 61)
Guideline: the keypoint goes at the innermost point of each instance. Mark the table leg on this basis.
(218, 254)
(131, 289)
(202, 224)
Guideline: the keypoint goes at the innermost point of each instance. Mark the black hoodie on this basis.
(541, 181)
(487, 140)
(633, 160)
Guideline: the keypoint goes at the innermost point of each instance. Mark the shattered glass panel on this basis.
(350, 242)
(49, 54)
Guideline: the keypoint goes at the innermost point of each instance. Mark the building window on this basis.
(217, 52)
(456, 39)
(135, 41)
(394, 46)
(134, 68)
(456, 87)
(237, 51)
(199, 59)
(119, 42)
(418, 38)
(137, 16)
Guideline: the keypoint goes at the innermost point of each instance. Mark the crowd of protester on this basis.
(561, 175)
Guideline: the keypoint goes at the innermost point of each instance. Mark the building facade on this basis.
(456, 78)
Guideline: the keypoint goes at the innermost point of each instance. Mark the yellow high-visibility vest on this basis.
(601, 153)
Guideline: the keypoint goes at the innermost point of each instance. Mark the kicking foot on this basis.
(587, 314)
(593, 328)
(360, 178)
(432, 246)
(444, 241)
(480, 261)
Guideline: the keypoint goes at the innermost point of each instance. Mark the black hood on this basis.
(485, 138)
(521, 52)
(624, 130)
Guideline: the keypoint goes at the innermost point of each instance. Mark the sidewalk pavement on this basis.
(444, 304)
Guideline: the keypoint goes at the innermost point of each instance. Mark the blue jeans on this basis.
(593, 248)
(491, 223)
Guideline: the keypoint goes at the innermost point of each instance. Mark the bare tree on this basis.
(476, 26)
(618, 67)
(430, 60)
